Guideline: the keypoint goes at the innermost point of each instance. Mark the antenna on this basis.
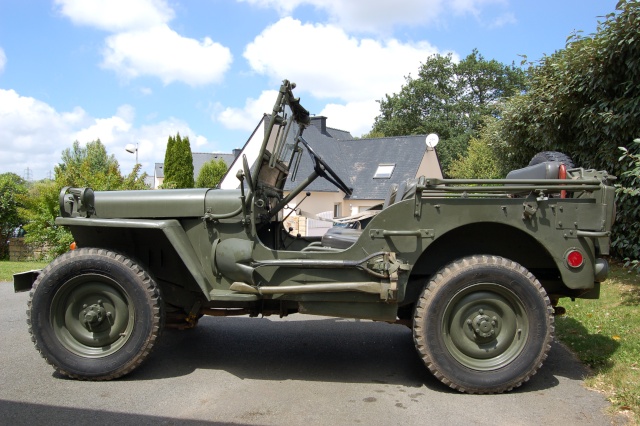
(432, 140)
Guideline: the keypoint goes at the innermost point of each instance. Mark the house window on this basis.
(384, 171)
(337, 210)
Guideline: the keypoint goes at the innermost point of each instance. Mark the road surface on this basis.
(301, 370)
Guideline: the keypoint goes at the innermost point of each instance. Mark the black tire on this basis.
(95, 314)
(559, 157)
(483, 324)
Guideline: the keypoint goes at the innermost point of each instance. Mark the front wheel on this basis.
(483, 324)
(95, 314)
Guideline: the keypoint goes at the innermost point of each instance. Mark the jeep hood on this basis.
(173, 203)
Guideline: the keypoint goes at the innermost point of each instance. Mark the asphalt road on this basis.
(301, 370)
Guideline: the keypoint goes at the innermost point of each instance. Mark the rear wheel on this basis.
(95, 314)
(483, 324)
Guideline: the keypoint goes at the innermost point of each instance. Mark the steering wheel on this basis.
(323, 169)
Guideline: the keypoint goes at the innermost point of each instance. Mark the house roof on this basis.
(199, 159)
(331, 152)
(365, 155)
(356, 162)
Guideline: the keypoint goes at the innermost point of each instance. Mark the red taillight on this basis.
(575, 259)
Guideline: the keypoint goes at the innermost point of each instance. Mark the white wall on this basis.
(251, 150)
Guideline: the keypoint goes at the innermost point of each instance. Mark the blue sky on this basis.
(137, 71)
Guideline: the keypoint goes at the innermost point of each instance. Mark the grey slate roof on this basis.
(356, 161)
(406, 152)
(326, 147)
(199, 158)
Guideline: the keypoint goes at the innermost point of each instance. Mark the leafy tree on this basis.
(178, 163)
(12, 187)
(450, 99)
(92, 166)
(170, 162)
(88, 166)
(632, 192)
(584, 100)
(41, 207)
(211, 173)
(480, 161)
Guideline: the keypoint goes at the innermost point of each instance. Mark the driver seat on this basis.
(343, 238)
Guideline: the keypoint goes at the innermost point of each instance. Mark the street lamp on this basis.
(130, 148)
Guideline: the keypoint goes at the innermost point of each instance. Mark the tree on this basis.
(178, 163)
(584, 100)
(211, 173)
(632, 193)
(92, 166)
(450, 99)
(480, 161)
(169, 162)
(88, 166)
(41, 207)
(12, 187)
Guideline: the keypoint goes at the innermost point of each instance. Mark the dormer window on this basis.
(384, 171)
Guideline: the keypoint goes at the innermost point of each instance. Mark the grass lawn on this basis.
(604, 334)
(7, 269)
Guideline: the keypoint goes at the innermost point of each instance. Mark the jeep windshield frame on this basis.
(286, 124)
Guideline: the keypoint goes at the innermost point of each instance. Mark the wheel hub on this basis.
(92, 316)
(483, 325)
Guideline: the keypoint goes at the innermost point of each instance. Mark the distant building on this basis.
(199, 159)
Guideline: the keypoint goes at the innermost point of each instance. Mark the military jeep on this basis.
(474, 267)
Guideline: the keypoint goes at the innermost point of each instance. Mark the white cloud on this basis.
(34, 135)
(143, 44)
(354, 117)
(159, 51)
(361, 15)
(247, 118)
(378, 16)
(3, 59)
(108, 130)
(116, 15)
(472, 7)
(503, 20)
(329, 63)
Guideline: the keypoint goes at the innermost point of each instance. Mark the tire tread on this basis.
(442, 276)
(150, 288)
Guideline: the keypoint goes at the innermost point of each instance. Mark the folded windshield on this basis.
(286, 131)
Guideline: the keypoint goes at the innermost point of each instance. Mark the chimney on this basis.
(320, 122)
(236, 152)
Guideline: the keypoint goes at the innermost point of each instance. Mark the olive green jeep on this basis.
(474, 267)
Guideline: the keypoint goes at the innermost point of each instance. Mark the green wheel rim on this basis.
(92, 315)
(485, 326)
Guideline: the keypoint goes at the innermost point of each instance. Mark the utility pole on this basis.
(27, 174)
